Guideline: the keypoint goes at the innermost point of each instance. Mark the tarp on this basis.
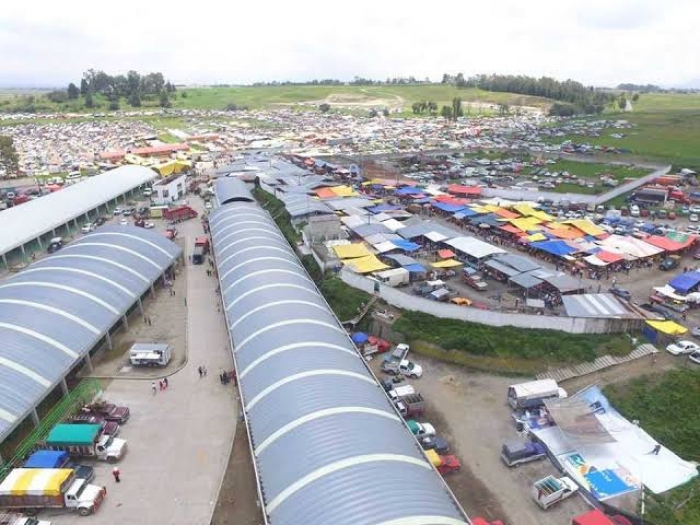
(526, 224)
(474, 247)
(351, 251)
(325, 193)
(409, 191)
(466, 212)
(609, 257)
(384, 247)
(670, 244)
(383, 207)
(445, 254)
(557, 248)
(393, 224)
(449, 263)
(685, 282)
(586, 226)
(35, 482)
(344, 191)
(563, 231)
(506, 214)
(450, 208)
(406, 246)
(668, 327)
(415, 268)
(529, 211)
(359, 338)
(457, 189)
(401, 260)
(367, 264)
(46, 459)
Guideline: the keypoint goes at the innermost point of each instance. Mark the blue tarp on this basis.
(490, 218)
(451, 208)
(425, 200)
(46, 459)
(383, 207)
(466, 212)
(685, 282)
(359, 338)
(558, 248)
(415, 268)
(406, 246)
(409, 190)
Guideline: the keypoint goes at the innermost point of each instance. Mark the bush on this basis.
(276, 208)
(342, 298)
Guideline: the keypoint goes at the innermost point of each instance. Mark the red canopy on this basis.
(668, 244)
(446, 254)
(609, 257)
(594, 517)
(458, 189)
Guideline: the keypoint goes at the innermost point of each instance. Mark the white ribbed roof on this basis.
(28, 221)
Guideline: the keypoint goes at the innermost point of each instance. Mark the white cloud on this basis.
(600, 42)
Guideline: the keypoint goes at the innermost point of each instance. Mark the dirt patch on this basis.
(238, 498)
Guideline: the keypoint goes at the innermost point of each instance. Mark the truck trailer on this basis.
(85, 441)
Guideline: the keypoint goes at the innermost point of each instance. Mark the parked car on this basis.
(435, 443)
(695, 332)
(515, 453)
(669, 263)
(695, 357)
(55, 244)
(100, 221)
(117, 211)
(682, 347)
(694, 217)
(420, 429)
(110, 411)
(124, 222)
(621, 293)
(88, 227)
(410, 369)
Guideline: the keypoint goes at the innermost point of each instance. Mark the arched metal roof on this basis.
(329, 447)
(231, 189)
(56, 310)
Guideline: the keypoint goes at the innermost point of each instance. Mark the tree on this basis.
(135, 99)
(562, 110)
(457, 108)
(8, 155)
(133, 84)
(84, 87)
(373, 113)
(635, 97)
(622, 102)
(73, 91)
(113, 105)
(416, 108)
(183, 94)
(324, 107)
(164, 100)
(58, 97)
(432, 108)
(385, 112)
(89, 103)
(459, 80)
(447, 79)
(446, 112)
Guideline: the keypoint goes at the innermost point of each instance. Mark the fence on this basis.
(82, 394)
(406, 301)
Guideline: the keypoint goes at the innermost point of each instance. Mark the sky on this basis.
(45, 43)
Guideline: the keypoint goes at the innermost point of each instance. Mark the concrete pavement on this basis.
(179, 439)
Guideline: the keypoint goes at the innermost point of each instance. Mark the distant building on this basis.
(169, 189)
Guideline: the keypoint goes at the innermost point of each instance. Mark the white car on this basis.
(207, 205)
(149, 225)
(694, 217)
(683, 347)
(410, 369)
(124, 222)
(695, 357)
(88, 227)
(117, 211)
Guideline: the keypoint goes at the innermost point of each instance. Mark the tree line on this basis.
(573, 96)
(356, 81)
(9, 160)
(132, 86)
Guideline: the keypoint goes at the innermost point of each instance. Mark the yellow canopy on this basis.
(351, 251)
(668, 327)
(343, 191)
(480, 209)
(586, 226)
(433, 457)
(526, 223)
(537, 237)
(448, 263)
(529, 211)
(40, 481)
(172, 166)
(367, 264)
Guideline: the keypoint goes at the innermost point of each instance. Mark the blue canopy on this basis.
(685, 282)
(466, 212)
(46, 459)
(557, 248)
(451, 208)
(406, 246)
(409, 190)
(415, 268)
(424, 200)
(359, 338)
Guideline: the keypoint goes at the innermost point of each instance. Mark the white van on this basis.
(533, 393)
(634, 211)
(147, 354)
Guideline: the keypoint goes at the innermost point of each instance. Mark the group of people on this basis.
(162, 385)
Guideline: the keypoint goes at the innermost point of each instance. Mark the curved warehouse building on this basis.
(328, 445)
(59, 308)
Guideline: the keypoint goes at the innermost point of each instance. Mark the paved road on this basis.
(179, 440)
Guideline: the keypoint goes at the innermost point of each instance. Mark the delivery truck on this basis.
(150, 354)
(550, 490)
(533, 393)
(57, 459)
(394, 277)
(179, 214)
(85, 441)
(32, 490)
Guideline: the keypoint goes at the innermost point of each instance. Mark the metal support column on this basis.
(88, 361)
(24, 254)
(35, 417)
(140, 306)
(41, 244)
(4, 260)
(64, 387)
(109, 341)
(126, 322)
(153, 291)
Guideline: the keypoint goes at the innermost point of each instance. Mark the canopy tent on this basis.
(381, 237)
(435, 236)
(528, 211)
(448, 263)
(359, 338)
(466, 212)
(406, 246)
(401, 260)
(535, 237)
(450, 208)
(383, 207)
(393, 224)
(367, 264)
(562, 231)
(384, 247)
(526, 224)
(415, 268)
(409, 191)
(172, 166)
(351, 251)
(685, 282)
(558, 248)
(445, 254)
(473, 247)
(586, 226)
(363, 230)
(668, 327)
(509, 228)
(630, 246)
(506, 214)
(671, 243)
(456, 189)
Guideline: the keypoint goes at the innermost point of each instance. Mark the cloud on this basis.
(601, 42)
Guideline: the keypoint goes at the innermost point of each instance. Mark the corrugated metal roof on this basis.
(230, 189)
(329, 447)
(55, 311)
(24, 223)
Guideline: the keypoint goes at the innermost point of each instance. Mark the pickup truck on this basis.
(400, 391)
(420, 429)
(435, 443)
(399, 353)
(85, 441)
(109, 411)
(53, 459)
(389, 383)
(405, 367)
(473, 278)
(516, 453)
(36, 489)
(443, 464)
(550, 490)
(410, 405)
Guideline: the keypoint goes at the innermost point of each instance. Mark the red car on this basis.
(109, 428)
(109, 411)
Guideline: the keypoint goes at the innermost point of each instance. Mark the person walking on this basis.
(201, 372)
(153, 387)
(204, 369)
(117, 474)
(165, 383)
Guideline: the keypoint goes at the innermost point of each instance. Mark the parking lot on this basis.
(469, 410)
(179, 439)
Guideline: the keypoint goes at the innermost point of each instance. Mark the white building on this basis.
(169, 189)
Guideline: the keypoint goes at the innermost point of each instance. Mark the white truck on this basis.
(394, 277)
(85, 440)
(550, 490)
(34, 489)
(401, 391)
(420, 430)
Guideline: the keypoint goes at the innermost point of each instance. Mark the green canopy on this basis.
(78, 434)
